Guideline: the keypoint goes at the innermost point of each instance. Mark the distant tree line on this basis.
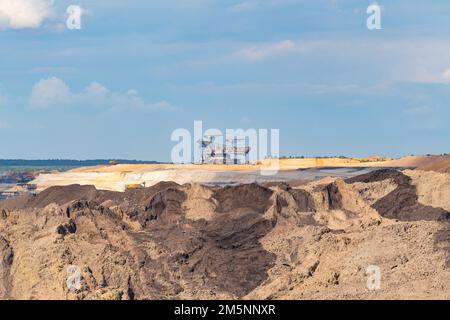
(67, 163)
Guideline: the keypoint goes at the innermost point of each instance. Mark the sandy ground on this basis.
(314, 241)
(117, 177)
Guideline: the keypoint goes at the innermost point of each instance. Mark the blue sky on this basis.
(137, 70)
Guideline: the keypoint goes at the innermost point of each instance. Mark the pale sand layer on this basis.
(118, 176)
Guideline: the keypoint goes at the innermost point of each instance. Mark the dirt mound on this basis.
(165, 204)
(332, 196)
(402, 203)
(372, 191)
(251, 196)
(303, 200)
(381, 175)
(58, 195)
(436, 163)
(199, 203)
(433, 189)
(249, 241)
(64, 195)
(167, 254)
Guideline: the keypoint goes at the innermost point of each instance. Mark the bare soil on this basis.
(274, 241)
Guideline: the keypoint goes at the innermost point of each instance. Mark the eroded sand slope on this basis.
(239, 242)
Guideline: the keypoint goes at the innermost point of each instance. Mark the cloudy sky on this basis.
(137, 70)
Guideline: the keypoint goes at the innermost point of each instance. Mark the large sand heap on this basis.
(248, 241)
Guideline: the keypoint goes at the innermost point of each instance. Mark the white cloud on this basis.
(49, 92)
(54, 92)
(96, 92)
(21, 14)
(262, 52)
(131, 99)
(417, 61)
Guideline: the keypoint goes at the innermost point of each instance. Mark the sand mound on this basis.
(437, 163)
(403, 202)
(199, 203)
(370, 192)
(433, 189)
(252, 197)
(173, 241)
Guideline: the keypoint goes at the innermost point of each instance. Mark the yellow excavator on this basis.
(135, 186)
